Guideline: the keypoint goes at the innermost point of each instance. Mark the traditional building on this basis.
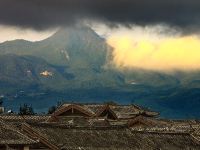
(100, 111)
(98, 127)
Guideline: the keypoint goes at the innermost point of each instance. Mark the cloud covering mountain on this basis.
(42, 14)
(164, 54)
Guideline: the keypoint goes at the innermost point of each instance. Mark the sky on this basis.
(9, 33)
(150, 34)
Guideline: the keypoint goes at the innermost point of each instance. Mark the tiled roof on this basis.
(103, 134)
(24, 118)
(10, 135)
(196, 133)
(121, 111)
(114, 138)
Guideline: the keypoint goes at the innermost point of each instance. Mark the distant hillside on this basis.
(22, 72)
(73, 64)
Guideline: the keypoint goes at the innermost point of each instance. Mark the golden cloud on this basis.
(169, 53)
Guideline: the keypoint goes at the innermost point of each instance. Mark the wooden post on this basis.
(72, 109)
(7, 147)
(26, 147)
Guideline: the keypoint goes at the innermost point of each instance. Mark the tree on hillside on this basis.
(26, 110)
(111, 102)
(52, 109)
(1, 105)
(1, 101)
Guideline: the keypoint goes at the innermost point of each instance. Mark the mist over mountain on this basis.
(73, 64)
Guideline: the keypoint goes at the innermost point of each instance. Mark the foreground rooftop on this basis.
(98, 126)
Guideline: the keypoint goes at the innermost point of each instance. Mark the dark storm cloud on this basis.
(41, 14)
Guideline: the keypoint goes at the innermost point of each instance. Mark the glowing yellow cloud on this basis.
(162, 54)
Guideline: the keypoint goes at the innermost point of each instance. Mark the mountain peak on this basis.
(81, 44)
(80, 32)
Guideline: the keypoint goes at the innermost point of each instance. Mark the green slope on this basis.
(22, 72)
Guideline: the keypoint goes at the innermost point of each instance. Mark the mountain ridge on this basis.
(76, 62)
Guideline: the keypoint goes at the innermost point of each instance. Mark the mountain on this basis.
(74, 46)
(74, 64)
(84, 55)
(27, 72)
(78, 53)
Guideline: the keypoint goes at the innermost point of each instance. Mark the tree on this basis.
(1, 104)
(51, 109)
(1, 101)
(26, 110)
(111, 102)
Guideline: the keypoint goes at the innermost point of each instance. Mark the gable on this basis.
(72, 110)
(107, 113)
